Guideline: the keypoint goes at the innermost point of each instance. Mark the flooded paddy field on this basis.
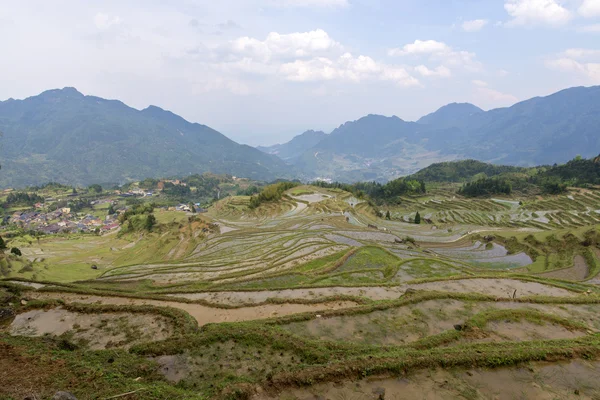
(318, 297)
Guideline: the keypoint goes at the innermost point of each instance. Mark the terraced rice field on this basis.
(283, 301)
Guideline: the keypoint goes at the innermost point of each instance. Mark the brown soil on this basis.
(23, 376)
(203, 314)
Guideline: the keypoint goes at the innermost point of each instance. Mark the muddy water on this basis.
(99, 331)
(526, 331)
(493, 287)
(496, 287)
(204, 315)
(574, 380)
(311, 198)
(375, 293)
(578, 272)
(406, 324)
(30, 284)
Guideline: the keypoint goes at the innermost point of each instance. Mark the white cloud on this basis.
(345, 68)
(496, 97)
(533, 12)
(474, 25)
(579, 53)
(439, 51)
(440, 71)
(583, 62)
(590, 8)
(231, 85)
(479, 83)
(105, 21)
(298, 44)
(591, 71)
(420, 47)
(594, 28)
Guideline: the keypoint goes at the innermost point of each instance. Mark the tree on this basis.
(2, 244)
(16, 251)
(95, 188)
(150, 222)
(192, 208)
(111, 210)
(418, 218)
(387, 215)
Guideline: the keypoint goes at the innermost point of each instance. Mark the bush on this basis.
(271, 193)
(486, 187)
(16, 251)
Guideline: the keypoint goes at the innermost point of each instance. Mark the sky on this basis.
(262, 71)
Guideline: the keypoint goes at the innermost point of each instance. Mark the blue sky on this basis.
(261, 71)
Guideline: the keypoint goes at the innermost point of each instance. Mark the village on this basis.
(86, 212)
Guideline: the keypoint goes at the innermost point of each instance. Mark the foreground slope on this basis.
(64, 136)
(315, 296)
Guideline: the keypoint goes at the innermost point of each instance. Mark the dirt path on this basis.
(204, 315)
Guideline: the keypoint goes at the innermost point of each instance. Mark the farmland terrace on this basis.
(314, 296)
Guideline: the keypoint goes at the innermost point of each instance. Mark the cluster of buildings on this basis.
(61, 220)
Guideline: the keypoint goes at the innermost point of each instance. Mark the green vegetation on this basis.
(377, 192)
(271, 193)
(22, 199)
(463, 171)
(139, 217)
(486, 187)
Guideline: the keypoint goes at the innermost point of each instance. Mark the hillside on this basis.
(295, 147)
(65, 136)
(542, 130)
(374, 147)
(462, 171)
(539, 131)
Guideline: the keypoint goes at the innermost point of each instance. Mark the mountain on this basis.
(374, 147)
(64, 136)
(453, 114)
(542, 130)
(295, 147)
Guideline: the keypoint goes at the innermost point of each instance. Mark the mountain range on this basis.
(64, 136)
(296, 147)
(542, 130)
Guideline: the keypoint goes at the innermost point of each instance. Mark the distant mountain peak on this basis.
(64, 92)
(450, 114)
(71, 138)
